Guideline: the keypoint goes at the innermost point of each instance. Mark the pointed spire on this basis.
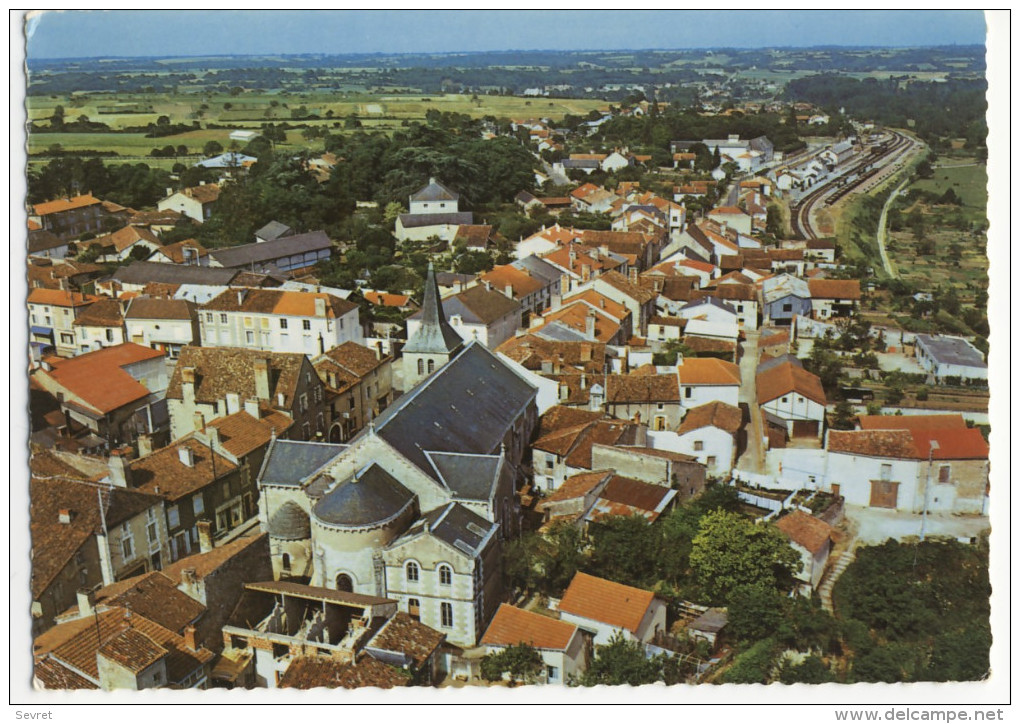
(435, 335)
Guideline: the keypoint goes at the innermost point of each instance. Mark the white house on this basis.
(195, 202)
(271, 319)
(163, 324)
(559, 643)
(812, 538)
(946, 357)
(606, 609)
(434, 211)
(706, 379)
(790, 392)
(709, 433)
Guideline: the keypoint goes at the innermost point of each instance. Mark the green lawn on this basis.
(970, 183)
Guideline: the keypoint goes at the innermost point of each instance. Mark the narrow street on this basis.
(753, 458)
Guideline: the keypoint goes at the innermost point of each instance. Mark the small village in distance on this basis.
(684, 383)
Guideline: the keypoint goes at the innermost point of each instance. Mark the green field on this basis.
(969, 182)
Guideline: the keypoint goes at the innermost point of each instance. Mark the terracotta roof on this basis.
(164, 474)
(713, 414)
(355, 358)
(508, 275)
(158, 308)
(577, 486)
(385, 299)
(805, 530)
(408, 636)
(642, 389)
(513, 625)
(729, 292)
(124, 238)
(132, 649)
(786, 378)
(584, 190)
(622, 242)
(634, 493)
(774, 339)
(575, 443)
(103, 313)
(560, 417)
(621, 283)
(175, 252)
(76, 643)
(98, 379)
(668, 321)
(53, 542)
(912, 422)
(708, 371)
(966, 444)
(873, 443)
(311, 672)
(59, 297)
(275, 301)
(576, 316)
(166, 217)
(531, 351)
(728, 210)
(240, 433)
(222, 370)
(475, 235)
(205, 563)
(152, 595)
(599, 301)
(52, 675)
(834, 288)
(59, 205)
(707, 344)
(574, 257)
(204, 194)
(605, 601)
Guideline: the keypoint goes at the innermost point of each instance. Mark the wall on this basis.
(715, 443)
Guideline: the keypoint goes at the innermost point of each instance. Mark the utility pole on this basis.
(933, 445)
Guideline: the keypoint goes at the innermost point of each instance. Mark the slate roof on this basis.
(289, 522)
(470, 477)
(713, 414)
(289, 462)
(786, 378)
(370, 496)
(435, 335)
(259, 253)
(537, 267)
(467, 406)
(143, 272)
(951, 350)
(455, 525)
(273, 230)
(513, 625)
(612, 603)
(434, 191)
(805, 530)
(41, 240)
(457, 218)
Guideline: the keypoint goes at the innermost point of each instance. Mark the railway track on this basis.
(864, 171)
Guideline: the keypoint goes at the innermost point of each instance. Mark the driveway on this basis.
(875, 525)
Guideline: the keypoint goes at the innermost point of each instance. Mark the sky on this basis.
(77, 34)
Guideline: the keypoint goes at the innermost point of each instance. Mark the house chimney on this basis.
(64, 516)
(241, 294)
(262, 379)
(189, 580)
(205, 540)
(589, 325)
(633, 276)
(585, 272)
(281, 399)
(144, 444)
(188, 386)
(186, 456)
(564, 391)
(213, 434)
(233, 403)
(169, 191)
(86, 601)
(508, 290)
(320, 307)
(251, 406)
(198, 420)
(120, 474)
(189, 638)
(584, 381)
(547, 367)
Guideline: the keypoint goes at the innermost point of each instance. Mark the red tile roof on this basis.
(708, 371)
(786, 378)
(98, 378)
(714, 414)
(59, 205)
(912, 422)
(512, 626)
(805, 530)
(834, 288)
(605, 601)
(59, 298)
(966, 444)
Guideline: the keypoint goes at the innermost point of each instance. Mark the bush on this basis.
(753, 666)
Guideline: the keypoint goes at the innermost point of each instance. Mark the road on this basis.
(753, 458)
(883, 229)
